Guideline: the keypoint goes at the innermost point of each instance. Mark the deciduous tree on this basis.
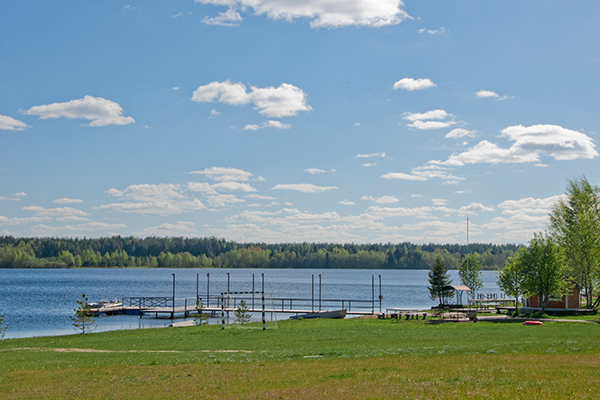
(575, 225)
(544, 269)
(470, 274)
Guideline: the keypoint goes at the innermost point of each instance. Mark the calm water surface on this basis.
(39, 302)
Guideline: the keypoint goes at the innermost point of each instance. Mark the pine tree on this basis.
(83, 320)
(438, 279)
(242, 315)
(200, 316)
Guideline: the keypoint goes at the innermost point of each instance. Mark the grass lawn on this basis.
(343, 359)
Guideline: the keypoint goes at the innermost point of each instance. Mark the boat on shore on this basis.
(329, 314)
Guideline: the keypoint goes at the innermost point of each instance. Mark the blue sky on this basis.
(281, 121)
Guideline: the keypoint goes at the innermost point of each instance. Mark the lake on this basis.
(39, 302)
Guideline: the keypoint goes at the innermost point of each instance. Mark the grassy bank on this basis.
(310, 359)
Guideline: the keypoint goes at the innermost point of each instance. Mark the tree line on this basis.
(179, 252)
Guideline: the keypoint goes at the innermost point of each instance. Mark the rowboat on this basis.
(329, 314)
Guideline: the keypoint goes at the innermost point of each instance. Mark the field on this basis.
(337, 359)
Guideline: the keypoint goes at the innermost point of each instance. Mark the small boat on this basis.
(330, 314)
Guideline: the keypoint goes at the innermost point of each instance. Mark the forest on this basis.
(179, 252)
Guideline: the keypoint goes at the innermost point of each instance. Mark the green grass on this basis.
(309, 358)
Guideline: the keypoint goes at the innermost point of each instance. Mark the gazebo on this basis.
(459, 289)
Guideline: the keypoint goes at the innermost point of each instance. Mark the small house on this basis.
(572, 301)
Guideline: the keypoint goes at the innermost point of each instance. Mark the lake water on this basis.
(39, 302)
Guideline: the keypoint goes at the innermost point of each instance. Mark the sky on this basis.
(364, 121)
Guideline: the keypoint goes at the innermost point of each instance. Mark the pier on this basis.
(229, 301)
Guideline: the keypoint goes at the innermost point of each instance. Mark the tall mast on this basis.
(467, 243)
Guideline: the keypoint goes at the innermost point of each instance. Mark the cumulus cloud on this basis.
(284, 101)
(180, 228)
(268, 124)
(61, 213)
(304, 187)
(429, 120)
(529, 143)
(324, 13)
(381, 154)
(260, 197)
(426, 125)
(315, 171)
(227, 18)
(11, 124)
(99, 111)
(162, 199)
(382, 199)
(432, 31)
(224, 174)
(346, 202)
(486, 93)
(424, 173)
(66, 200)
(413, 84)
(460, 133)
(530, 205)
(231, 186)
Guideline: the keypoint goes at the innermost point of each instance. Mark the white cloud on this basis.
(162, 199)
(369, 164)
(213, 114)
(11, 124)
(259, 197)
(425, 125)
(381, 154)
(315, 171)
(346, 202)
(284, 101)
(181, 228)
(231, 186)
(227, 18)
(439, 202)
(20, 221)
(21, 194)
(432, 31)
(552, 140)
(486, 93)
(66, 200)
(428, 120)
(177, 15)
(387, 212)
(221, 200)
(433, 114)
(413, 84)
(530, 205)
(224, 174)
(61, 213)
(268, 124)
(99, 111)
(382, 199)
(324, 13)
(304, 187)
(460, 133)
(424, 173)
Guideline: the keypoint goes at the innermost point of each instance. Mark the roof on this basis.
(457, 287)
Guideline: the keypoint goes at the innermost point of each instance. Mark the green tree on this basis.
(511, 278)
(200, 316)
(83, 320)
(242, 315)
(544, 269)
(438, 279)
(575, 225)
(470, 274)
